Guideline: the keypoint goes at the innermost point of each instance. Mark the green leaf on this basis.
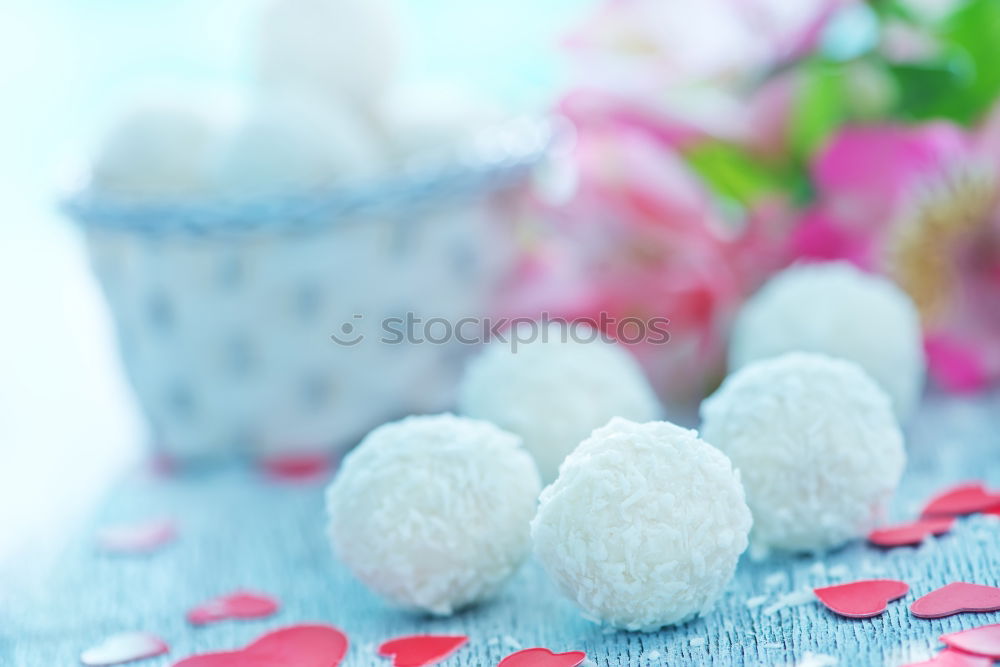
(732, 173)
(819, 108)
(935, 89)
(975, 29)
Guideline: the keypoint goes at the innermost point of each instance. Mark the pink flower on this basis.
(641, 237)
(920, 204)
(694, 67)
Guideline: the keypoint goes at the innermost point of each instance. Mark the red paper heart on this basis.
(543, 657)
(962, 499)
(137, 538)
(420, 650)
(914, 532)
(124, 647)
(984, 640)
(861, 599)
(297, 467)
(957, 598)
(294, 646)
(952, 658)
(238, 605)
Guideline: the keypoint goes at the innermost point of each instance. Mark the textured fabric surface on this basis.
(238, 530)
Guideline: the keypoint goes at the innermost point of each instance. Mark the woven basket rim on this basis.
(323, 207)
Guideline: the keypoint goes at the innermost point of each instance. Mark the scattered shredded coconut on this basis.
(697, 641)
(833, 308)
(432, 512)
(555, 390)
(870, 567)
(776, 580)
(756, 601)
(913, 651)
(817, 446)
(792, 599)
(818, 569)
(929, 543)
(512, 643)
(816, 660)
(839, 572)
(651, 655)
(644, 525)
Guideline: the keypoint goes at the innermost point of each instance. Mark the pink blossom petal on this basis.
(869, 170)
(820, 236)
(955, 367)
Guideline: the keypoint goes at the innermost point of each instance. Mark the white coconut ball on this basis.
(816, 443)
(157, 150)
(433, 121)
(294, 143)
(433, 512)
(834, 308)
(344, 50)
(555, 389)
(644, 526)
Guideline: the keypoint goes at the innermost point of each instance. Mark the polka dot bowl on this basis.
(263, 328)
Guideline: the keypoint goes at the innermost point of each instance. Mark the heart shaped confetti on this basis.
(952, 658)
(294, 646)
(124, 647)
(419, 650)
(543, 657)
(238, 605)
(960, 500)
(300, 468)
(912, 533)
(861, 599)
(137, 538)
(984, 640)
(957, 598)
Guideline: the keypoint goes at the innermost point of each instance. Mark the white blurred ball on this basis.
(432, 121)
(433, 512)
(554, 390)
(836, 309)
(294, 143)
(816, 443)
(158, 150)
(644, 526)
(343, 50)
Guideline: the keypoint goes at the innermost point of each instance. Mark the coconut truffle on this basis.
(554, 390)
(816, 443)
(644, 526)
(835, 309)
(433, 512)
(157, 150)
(293, 144)
(432, 122)
(346, 51)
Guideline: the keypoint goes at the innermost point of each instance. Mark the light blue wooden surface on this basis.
(238, 530)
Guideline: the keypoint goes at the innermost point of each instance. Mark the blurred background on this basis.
(68, 421)
(198, 195)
